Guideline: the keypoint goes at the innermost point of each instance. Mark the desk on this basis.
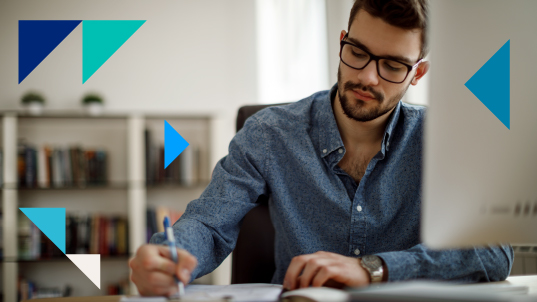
(529, 281)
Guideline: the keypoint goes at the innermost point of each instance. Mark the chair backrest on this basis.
(253, 257)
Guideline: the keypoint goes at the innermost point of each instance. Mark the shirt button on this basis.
(340, 150)
(357, 252)
(359, 208)
(324, 150)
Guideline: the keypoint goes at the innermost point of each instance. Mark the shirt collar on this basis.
(329, 136)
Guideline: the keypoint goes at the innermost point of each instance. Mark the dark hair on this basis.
(406, 14)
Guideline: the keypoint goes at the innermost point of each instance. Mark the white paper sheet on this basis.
(255, 292)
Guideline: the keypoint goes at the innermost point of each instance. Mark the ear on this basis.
(421, 70)
(343, 33)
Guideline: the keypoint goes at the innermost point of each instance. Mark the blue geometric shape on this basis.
(491, 84)
(174, 144)
(51, 221)
(37, 39)
(101, 39)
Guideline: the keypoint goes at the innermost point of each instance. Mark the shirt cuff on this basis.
(401, 265)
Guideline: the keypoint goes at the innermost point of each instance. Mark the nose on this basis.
(369, 75)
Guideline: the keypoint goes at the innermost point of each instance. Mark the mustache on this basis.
(358, 86)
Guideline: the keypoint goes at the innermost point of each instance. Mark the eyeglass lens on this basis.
(388, 69)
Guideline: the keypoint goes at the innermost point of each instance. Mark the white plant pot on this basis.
(94, 109)
(34, 108)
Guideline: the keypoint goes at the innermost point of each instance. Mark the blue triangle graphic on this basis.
(51, 221)
(174, 144)
(37, 39)
(492, 86)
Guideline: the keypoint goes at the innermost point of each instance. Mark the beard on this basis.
(358, 110)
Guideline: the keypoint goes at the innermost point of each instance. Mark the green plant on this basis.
(31, 97)
(92, 98)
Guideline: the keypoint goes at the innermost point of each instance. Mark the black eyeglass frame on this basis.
(376, 59)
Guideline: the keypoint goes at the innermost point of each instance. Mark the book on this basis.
(42, 180)
(1, 169)
(47, 166)
(184, 170)
(155, 217)
(106, 235)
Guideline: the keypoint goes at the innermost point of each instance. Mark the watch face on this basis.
(371, 261)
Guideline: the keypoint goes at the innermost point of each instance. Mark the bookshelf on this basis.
(125, 192)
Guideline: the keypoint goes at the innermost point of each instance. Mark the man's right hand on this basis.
(153, 270)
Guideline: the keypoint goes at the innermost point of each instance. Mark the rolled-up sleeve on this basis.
(484, 264)
(210, 225)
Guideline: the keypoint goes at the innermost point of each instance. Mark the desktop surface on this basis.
(530, 281)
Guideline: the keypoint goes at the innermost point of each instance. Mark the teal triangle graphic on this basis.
(492, 86)
(101, 39)
(51, 221)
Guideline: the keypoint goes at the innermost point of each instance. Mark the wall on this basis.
(337, 18)
(189, 56)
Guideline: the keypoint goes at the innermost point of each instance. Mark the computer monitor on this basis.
(480, 171)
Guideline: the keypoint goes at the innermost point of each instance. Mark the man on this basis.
(343, 168)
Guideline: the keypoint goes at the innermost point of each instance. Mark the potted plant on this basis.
(93, 104)
(33, 102)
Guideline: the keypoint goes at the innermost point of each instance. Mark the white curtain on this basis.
(292, 50)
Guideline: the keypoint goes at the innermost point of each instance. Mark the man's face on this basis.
(381, 39)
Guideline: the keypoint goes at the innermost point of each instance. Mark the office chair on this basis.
(253, 257)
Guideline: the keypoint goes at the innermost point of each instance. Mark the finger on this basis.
(158, 279)
(172, 291)
(187, 264)
(155, 283)
(321, 277)
(293, 271)
(155, 259)
(310, 270)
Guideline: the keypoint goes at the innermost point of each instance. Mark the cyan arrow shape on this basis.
(51, 221)
(492, 86)
(174, 144)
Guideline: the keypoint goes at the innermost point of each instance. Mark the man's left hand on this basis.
(325, 268)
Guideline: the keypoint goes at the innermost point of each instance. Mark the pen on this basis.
(173, 251)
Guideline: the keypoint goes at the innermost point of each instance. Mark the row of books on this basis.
(1, 235)
(1, 168)
(29, 290)
(60, 167)
(119, 288)
(184, 170)
(85, 234)
(155, 219)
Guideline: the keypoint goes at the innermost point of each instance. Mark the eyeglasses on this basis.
(390, 70)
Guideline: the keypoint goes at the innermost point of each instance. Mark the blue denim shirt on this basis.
(292, 152)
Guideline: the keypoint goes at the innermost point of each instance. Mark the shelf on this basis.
(112, 186)
(122, 134)
(82, 114)
(65, 259)
(169, 186)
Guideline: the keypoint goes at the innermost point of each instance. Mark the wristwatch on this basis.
(373, 264)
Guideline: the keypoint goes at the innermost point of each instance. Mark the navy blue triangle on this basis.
(37, 39)
(491, 84)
